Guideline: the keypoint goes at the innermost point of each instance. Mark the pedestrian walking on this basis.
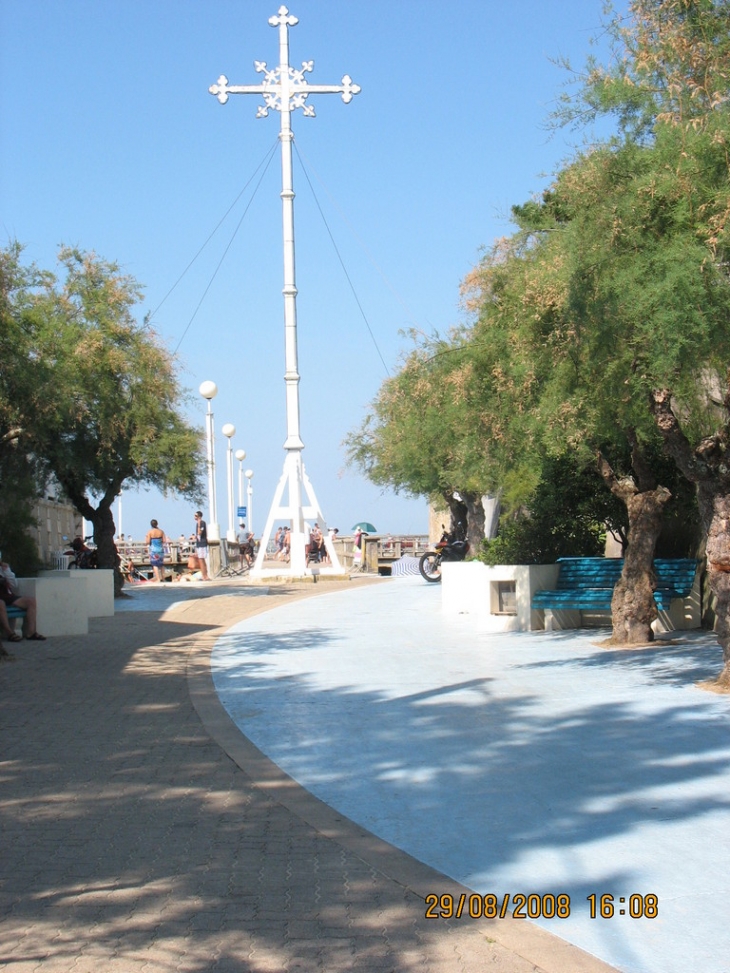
(155, 541)
(201, 543)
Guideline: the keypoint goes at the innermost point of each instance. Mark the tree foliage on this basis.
(94, 394)
(613, 286)
(432, 431)
(568, 515)
(616, 282)
(656, 237)
(21, 475)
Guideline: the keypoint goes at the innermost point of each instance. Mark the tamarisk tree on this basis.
(105, 408)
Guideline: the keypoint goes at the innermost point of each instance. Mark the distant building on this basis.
(58, 523)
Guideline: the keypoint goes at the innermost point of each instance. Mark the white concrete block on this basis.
(61, 605)
(499, 597)
(99, 590)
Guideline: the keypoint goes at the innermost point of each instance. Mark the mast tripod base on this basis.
(289, 505)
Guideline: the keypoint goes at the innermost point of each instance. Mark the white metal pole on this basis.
(209, 390)
(240, 456)
(231, 511)
(249, 476)
(229, 431)
(212, 513)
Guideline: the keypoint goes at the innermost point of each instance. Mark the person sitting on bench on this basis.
(9, 597)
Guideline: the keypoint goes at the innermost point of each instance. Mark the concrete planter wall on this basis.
(498, 597)
(66, 600)
(61, 604)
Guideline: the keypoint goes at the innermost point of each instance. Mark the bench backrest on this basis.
(589, 572)
(677, 574)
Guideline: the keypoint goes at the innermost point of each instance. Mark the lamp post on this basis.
(229, 431)
(240, 456)
(209, 390)
(249, 477)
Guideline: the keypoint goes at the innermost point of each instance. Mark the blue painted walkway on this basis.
(521, 763)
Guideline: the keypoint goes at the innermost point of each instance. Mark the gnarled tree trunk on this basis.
(633, 608)
(717, 517)
(102, 519)
(474, 520)
(468, 510)
(708, 466)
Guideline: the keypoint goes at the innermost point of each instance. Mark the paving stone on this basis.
(133, 842)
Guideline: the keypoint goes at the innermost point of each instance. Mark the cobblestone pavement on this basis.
(133, 841)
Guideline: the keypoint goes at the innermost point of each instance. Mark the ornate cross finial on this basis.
(283, 18)
(284, 88)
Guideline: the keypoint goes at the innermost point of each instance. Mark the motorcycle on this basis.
(453, 546)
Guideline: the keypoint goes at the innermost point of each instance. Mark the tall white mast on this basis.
(285, 89)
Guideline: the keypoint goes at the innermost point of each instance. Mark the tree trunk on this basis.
(467, 511)
(715, 510)
(633, 608)
(106, 550)
(104, 529)
(475, 520)
(707, 466)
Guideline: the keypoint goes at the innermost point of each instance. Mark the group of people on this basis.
(315, 549)
(156, 540)
(282, 543)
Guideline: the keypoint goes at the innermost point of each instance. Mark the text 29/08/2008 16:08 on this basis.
(537, 906)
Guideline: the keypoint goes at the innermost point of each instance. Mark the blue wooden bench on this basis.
(587, 583)
(13, 613)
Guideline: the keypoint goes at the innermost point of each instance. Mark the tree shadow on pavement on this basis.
(482, 776)
(132, 841)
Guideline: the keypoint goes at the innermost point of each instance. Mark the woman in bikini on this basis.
(155, 541)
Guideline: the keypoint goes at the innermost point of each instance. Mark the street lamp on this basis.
(240, 456)
(229, 431)
(209, 390)
(249, 477)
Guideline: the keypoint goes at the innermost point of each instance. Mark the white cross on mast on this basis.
(284, 89)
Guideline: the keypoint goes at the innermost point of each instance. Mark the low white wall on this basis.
(96, 587)
(99, 590)
(470, 588)
(61, 605)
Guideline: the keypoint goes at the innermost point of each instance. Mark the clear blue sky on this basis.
(111, 141)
